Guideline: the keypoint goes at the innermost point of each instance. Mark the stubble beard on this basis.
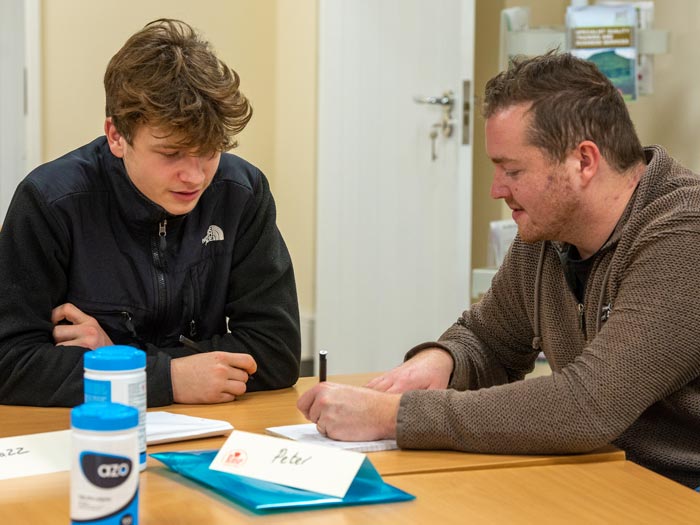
(560, 222)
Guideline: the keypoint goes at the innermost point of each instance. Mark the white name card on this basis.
(34, 454)
(300, 465)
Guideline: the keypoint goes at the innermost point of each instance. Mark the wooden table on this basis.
(610, 492)
(450, 486)
(256, 411)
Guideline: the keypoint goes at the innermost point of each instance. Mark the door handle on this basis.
(445, 100)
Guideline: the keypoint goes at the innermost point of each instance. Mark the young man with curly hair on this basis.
(147, 233)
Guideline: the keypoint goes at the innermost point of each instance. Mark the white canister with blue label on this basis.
(104, 484)
(118, 374)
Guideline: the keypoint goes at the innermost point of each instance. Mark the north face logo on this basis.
(214, 233)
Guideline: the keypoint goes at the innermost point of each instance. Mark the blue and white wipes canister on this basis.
(117, 374)
(104, 482)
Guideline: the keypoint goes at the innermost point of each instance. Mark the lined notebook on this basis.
(164, 427)
(307, 433)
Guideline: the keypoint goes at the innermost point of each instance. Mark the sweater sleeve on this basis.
(34, 255)
(262, 307)
(645, 352)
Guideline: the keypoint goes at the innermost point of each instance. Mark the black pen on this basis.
(322, 366)
(189, 343)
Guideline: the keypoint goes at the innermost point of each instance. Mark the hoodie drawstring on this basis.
(537, 340)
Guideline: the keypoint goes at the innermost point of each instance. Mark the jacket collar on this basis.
(135, 208)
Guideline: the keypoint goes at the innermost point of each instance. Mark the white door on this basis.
(19, 94)
(11, 100)
(394, 217)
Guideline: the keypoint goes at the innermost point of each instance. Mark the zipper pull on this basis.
(581, 323)
(193, 328)
(162, 233)
(128, 322)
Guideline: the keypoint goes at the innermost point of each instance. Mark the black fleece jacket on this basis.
(79, 231)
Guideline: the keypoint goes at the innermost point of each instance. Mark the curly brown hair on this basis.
(571, 101)
(167, 77)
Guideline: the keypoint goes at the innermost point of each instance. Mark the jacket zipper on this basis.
(161, 234)
(195, 302)
(127, 320)
(158, 251)
(129, 323)
(581, 319)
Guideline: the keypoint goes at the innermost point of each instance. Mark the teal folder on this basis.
(263, 496)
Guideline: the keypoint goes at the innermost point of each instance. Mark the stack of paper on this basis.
(308, 433)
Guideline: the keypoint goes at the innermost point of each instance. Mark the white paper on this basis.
(164, 427)
(513, 19)
(34, 454)
(308, 433)
(300, 465)
(501, 235)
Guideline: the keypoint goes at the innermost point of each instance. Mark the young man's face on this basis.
(540, 192)
(171, 177)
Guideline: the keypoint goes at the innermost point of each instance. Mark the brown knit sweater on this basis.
(634, 383)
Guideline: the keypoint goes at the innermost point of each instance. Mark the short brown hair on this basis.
(166, 76)
(571, 101)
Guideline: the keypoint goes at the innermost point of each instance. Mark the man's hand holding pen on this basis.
(350, 413)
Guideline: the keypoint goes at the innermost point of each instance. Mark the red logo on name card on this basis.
(236, 458)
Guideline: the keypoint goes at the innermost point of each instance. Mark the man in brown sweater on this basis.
(602, 278)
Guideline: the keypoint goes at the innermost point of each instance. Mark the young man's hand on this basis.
(211, 377)
(80, 329)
